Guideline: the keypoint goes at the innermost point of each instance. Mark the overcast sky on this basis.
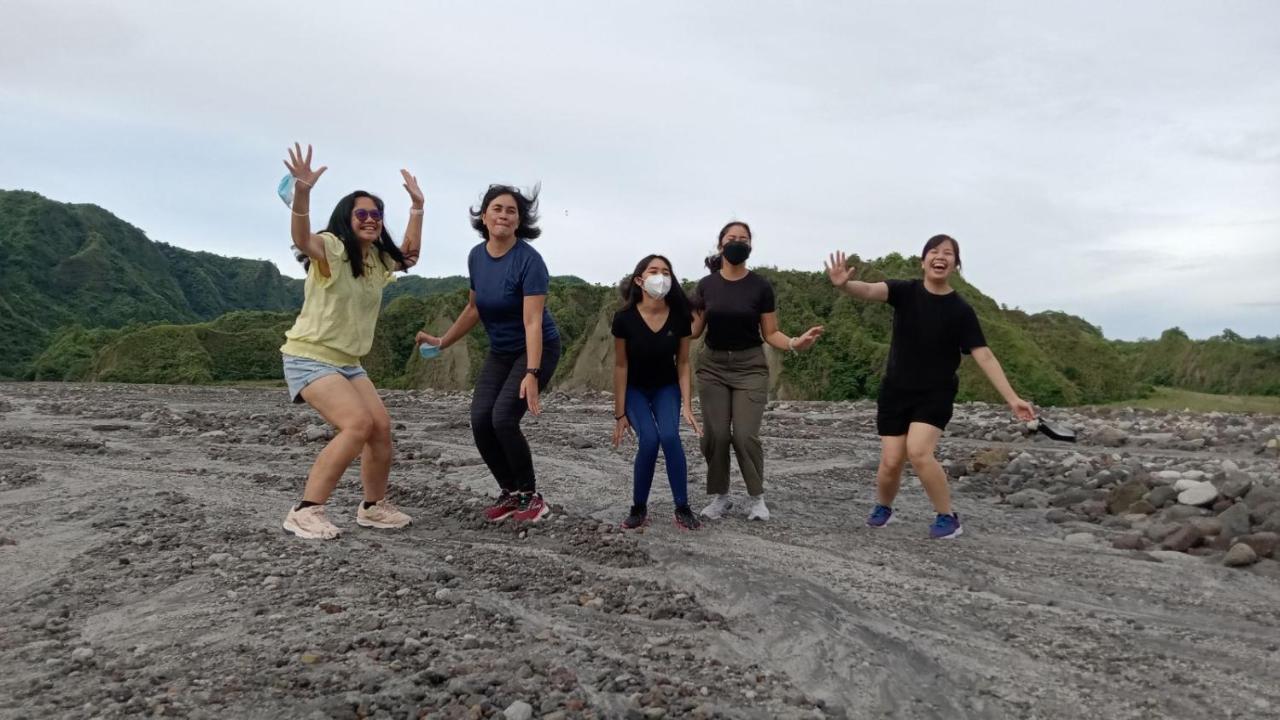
(1119, 161)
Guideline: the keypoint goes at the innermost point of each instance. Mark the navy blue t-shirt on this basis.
(501, 285)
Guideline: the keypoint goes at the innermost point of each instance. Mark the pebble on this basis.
(1240, 555)
(1199, 494)
(518, 710)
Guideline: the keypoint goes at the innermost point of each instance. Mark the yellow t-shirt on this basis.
(339, 312)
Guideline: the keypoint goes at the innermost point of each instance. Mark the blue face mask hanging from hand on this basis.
(285, 189)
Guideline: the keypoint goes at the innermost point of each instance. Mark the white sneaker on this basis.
(311, 523)
(717, 508)
(759, 511)
(381, 514)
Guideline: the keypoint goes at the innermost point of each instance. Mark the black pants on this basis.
(496, 411)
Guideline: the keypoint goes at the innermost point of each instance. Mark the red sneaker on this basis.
(532, 508)
(507, 504)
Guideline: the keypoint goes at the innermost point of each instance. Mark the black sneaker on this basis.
(639, 516)
(686, 520)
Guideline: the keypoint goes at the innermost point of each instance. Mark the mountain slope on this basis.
(63, 264)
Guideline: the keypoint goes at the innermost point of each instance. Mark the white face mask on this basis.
(657, 286)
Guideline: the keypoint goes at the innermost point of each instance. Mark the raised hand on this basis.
(837, 271)
(299, 165)
(810, 336)
(411, 187)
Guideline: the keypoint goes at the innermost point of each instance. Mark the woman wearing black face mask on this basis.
(736, 308)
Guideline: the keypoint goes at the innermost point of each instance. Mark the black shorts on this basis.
(897, 408)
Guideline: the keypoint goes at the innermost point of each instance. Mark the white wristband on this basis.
(416, 211)
(791, 344)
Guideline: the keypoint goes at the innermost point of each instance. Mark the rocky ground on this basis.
(1133, 575)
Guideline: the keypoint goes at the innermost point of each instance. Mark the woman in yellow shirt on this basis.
(351, 261)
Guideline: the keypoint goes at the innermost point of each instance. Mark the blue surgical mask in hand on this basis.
(428, 351)
(285, 189)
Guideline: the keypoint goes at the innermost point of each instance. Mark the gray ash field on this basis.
(146, 574)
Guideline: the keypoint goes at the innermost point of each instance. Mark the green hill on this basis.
(1225, 364)
(1052, 358)
(66, 265)
(86, 296)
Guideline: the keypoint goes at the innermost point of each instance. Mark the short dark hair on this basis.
(715, 262)
(677, 301)
(340, 225)
(937, 240)
(526, 205)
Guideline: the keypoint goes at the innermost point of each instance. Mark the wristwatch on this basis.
(536, 372)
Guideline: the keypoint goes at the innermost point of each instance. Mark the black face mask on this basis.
(736, 252)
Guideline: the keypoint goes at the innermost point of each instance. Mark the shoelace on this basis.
(319, 516)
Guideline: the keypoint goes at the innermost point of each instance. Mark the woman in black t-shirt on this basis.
(650, 379)
(736, 308)
(932, 326)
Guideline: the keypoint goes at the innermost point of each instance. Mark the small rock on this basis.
(1235, 484)
(1182, 539)
(1200, 494)
(1161, 496)
(1108, 435)
(81, 654)
(519, 710)
(1208, 526)
(1129, 541)
(1124, 496)
(1234, 521)
(309, 658)
(1240, 555)
(1180, 513)
(1081, 538)
(1058, 515)
(1142, 507)
(1029, 498)
(1265, 544)
(314, 433)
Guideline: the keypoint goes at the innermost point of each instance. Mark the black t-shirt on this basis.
(651, 356)
(929, 333)
(733, 309)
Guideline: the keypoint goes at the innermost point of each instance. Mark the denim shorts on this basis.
(300, 372)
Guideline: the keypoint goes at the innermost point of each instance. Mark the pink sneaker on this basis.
(311, 523)
(381, 514)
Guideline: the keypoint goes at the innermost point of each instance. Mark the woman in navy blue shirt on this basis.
(509, 285)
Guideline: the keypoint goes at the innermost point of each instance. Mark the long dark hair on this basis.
(632, 293)
(526, 205)
(934, 242)
(340, 225)
(715, 261)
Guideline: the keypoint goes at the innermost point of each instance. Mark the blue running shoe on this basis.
(945, 527)
(880, 516)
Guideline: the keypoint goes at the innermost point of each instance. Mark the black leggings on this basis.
(496, 411)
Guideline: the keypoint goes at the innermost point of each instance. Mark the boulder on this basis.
(1240, 555)
(1200, 494)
